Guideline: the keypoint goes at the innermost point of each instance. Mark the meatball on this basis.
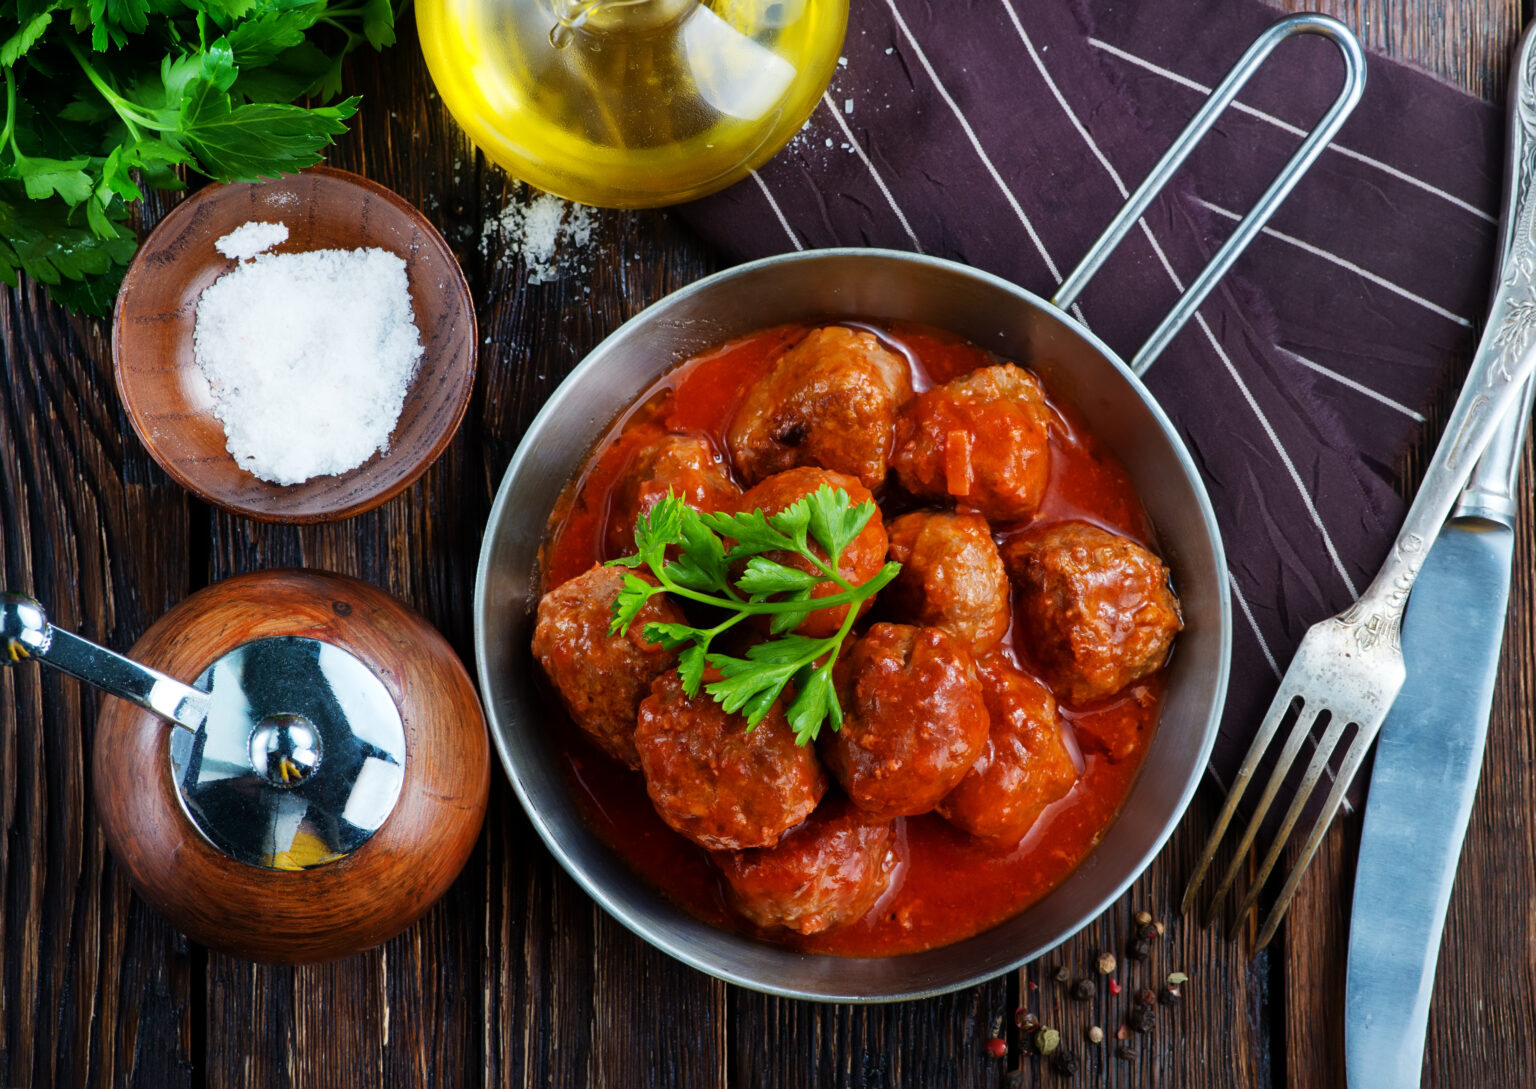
(601, 678)
(824, 874)
(715, 780)
(914, 719)
(1095, 610)
(685, 465)
(952, 577)
(982, 440)
(1025, 765)
(830, 401)
(861, 560)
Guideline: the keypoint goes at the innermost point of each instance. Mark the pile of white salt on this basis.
(309, 355)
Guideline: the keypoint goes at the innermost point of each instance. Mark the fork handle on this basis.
(1505, 357)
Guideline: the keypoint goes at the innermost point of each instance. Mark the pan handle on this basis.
(1354, 85)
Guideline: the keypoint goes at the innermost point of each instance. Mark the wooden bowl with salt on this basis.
(169, 399)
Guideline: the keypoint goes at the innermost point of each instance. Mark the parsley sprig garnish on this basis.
(700, 569)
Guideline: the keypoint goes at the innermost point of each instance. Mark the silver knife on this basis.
(1430, 751)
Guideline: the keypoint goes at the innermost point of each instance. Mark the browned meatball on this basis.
(1025, 765)
(951, 577)
(601, 678)
(861, 560)
(824, 874)
(914, 719)
(982, 440)
(716, 781)
(1095, 610)
(685, 465)
(830, 401)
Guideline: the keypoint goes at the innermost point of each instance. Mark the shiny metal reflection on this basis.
(300, 759)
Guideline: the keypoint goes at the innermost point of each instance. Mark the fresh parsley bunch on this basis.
(700, 569)
(106, 97)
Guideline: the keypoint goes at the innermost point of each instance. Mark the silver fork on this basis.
(1349, 668)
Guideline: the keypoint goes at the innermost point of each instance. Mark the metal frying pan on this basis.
(876, 285)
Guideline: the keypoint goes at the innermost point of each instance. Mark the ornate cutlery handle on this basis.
(26, 633)
(1506, 357)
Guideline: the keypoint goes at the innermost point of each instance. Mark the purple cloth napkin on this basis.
(1005, 133)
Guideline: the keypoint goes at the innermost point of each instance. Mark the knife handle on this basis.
(1490, 492)
(26, 633)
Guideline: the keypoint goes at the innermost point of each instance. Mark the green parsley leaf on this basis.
(684, 550)
(763, 576)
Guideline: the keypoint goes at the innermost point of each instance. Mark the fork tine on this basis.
(1319, 762)
(1301, 729)
(1353, 757)
(1267, 730)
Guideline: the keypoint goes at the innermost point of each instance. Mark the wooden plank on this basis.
(405, 1013)
(94, 990)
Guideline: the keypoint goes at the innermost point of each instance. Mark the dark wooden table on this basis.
(516, 978)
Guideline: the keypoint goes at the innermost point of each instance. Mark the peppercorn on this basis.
(1106, 963)
(1170, 995)
(1142, 1018)
(1161, 929)
(1114, 986)
(1143, 918)
(1095, 1034)
(1047, 1040)
(1125, 1051)
(1148, 933)
(996, 1047)
(1028, 1023)
(1145, 997)
(1064, 1062)
(1123, 1032)
(1178, 979)
(1083, 989)
(1062, 974)
(1138, 949)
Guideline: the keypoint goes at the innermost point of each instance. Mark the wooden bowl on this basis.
(169, 401)
(342, 907)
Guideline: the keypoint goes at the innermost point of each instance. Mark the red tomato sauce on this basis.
(955, 885)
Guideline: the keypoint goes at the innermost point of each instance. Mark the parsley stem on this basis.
(120, 105)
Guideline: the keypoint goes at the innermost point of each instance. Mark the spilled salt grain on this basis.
(550, 235)
(249, 239)
(308, 356)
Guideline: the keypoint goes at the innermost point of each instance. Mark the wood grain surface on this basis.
(516, 978)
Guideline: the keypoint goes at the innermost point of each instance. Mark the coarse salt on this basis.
(249, 239)
(308, 356)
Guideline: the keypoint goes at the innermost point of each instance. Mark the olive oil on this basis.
(631, 103)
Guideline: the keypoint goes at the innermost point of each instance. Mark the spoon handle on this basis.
(26, 633)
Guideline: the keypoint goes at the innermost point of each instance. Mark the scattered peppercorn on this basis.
(1106, 963)
(1062, 974)
(1095, 1035)
(1047, 1040)
(1083, 989)
(1143, 918)
(1177, 979)
(1016, 1078)
(1148, 933)
(1161, 928)
(997, 1048)
(1064, 1062)
(1145, 997)
(1123, 1032)
(1028, 1023)
(1114, 986)
(1142, 1018)
(1170, 995)
(1138, 949)
(1125, 1051)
